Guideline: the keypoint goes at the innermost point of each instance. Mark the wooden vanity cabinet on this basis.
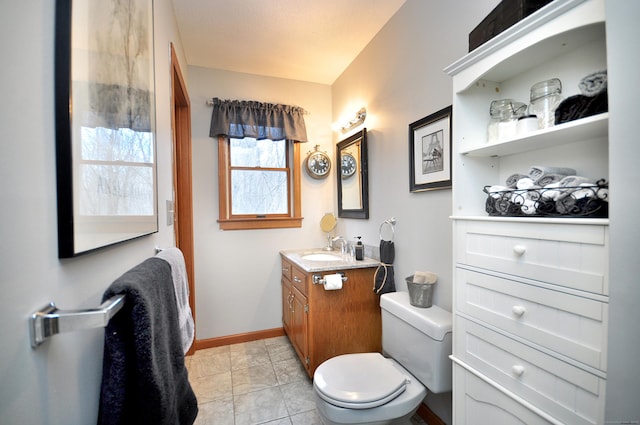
(322, 324)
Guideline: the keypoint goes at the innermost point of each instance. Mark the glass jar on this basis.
(545, 98)
(504, 118)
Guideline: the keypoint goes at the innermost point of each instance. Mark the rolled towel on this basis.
(538, 171)
(425, 277)
(572, 180)
(525, 183)
(518, 197)
(529, 207)
(512, 180)
(497, 191)
(551, 192)
(593, 83)
(549, 178)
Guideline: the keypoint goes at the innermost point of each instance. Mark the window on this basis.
(259, 184)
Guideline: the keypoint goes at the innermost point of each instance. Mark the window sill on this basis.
(260, 223)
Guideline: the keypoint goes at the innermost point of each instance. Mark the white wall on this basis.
(237, 273)
(399, 78)
(59, 382)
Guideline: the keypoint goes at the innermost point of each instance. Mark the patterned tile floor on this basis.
(258, 382)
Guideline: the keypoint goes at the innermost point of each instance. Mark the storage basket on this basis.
(570, 201)
(420, 294)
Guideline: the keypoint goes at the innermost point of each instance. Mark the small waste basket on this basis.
(420, 294)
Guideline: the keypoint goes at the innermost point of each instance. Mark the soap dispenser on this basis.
(359, 250)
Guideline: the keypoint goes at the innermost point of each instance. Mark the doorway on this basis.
(182, 197)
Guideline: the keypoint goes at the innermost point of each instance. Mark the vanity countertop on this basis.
(296, 257)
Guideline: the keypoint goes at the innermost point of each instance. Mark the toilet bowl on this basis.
(369, 388)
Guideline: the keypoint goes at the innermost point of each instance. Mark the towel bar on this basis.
(49, 321)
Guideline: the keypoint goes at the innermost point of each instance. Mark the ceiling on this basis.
(308, 40)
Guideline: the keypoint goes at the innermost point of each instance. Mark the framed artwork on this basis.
(105, 123)
(430, 152)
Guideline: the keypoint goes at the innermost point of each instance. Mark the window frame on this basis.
(246, 222)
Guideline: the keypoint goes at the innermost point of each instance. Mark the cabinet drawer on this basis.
(564, 391)
(299, 279)
(568, 324)
(569, 255)
(286, 268)
(476, 402)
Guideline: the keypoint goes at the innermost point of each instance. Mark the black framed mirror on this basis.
(105, 143)
(353, 180)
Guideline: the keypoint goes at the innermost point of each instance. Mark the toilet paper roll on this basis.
(332, 282)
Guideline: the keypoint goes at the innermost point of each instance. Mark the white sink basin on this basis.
(321, 256)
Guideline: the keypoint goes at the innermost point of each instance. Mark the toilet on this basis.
(369, 388)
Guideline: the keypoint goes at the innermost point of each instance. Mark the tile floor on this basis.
(258, 382)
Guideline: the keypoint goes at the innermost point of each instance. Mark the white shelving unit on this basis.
(530, 294)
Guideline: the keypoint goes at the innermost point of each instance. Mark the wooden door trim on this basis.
(182, 181)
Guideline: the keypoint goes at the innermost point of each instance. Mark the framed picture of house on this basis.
(105, 123)
(430, 152)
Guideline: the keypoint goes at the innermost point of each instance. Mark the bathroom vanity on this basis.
(325, 323)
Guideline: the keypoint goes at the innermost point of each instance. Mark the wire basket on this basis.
(590, 201)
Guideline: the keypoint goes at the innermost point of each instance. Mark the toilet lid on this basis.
(358, 381)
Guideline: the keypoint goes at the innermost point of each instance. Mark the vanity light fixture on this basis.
(355, 121)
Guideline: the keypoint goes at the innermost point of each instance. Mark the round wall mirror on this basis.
(327, 224)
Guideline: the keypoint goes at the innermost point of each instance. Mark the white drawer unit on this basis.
(565, 391)
(530, 294)
(569, 255)
(572, 326)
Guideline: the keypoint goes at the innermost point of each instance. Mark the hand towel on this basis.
(144, 378)
(383, 279)
(174, 257)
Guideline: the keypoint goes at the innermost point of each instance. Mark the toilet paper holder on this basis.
(319, 280)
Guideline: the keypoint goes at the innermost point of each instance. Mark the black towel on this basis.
(384, 277)
(144, 378)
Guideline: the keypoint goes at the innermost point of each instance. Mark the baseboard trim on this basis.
(428, 416)
(202, 344)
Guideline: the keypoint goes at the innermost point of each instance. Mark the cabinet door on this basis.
(299, 326)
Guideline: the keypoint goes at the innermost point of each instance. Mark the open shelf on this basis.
(589, 128)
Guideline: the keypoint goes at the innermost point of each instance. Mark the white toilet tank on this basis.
(419, 339)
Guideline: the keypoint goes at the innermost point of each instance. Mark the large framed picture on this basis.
(105, 123)
(430, 152)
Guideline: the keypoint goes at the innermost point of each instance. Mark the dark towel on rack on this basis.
(384, 276)
(144, 378)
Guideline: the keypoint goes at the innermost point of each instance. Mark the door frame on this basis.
(182, 180)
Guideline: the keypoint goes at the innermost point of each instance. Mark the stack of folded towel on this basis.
(548, 191)
(592, 100)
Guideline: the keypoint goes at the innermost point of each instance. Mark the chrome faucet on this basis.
(343, 245)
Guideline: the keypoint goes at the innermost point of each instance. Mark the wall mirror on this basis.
(353, 185)
(105, 123)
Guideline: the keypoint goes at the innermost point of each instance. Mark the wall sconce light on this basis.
(355, 121)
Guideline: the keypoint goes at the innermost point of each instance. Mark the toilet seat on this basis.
(359, 381)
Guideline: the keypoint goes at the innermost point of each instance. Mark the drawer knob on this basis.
(518, 310)
(297, 279)
(519, 250)
(517, 370)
